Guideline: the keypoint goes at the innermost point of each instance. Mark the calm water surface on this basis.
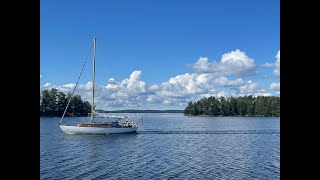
(166, 146)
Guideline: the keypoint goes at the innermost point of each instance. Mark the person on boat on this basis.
(114, 123)
(127, 123)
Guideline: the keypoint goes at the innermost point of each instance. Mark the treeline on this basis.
(241, 106)
(54, 102)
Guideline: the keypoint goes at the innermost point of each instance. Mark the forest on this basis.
(54, 102)
(240, 106)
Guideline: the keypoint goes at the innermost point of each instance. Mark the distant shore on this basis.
(141, 111)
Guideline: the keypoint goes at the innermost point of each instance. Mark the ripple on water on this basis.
(167, 146)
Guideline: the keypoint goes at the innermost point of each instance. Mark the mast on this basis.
(93, 74)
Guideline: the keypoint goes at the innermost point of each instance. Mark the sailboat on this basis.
(94, 128)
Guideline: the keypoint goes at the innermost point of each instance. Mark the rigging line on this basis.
(76, 116)
(75, 86)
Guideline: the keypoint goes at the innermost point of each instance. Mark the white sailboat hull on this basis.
(96, 130)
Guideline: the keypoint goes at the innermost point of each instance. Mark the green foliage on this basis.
(54, 102)
(241, 106)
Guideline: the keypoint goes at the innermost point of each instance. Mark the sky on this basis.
(160, 54)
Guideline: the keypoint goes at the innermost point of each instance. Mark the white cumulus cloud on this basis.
(275, 86)
(112, 84)
(223, 81)
(131, 84)
(232, 63)
(225, 78)
(267, 65)
(262, 94)
(276, 70)
(87, 86)
(47, 85)
(69, 85)
(248, 88)
(133, 93)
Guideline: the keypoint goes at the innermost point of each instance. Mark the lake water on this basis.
(166, 146)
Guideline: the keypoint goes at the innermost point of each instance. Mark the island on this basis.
(240, 106)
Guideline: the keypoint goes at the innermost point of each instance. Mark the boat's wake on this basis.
(209, 132)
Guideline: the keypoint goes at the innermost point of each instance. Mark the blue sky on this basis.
(160, 54)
